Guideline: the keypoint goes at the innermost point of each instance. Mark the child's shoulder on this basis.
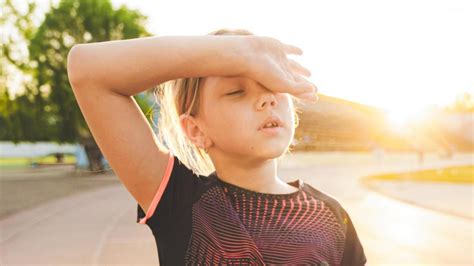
(319, 194)
(331, 201)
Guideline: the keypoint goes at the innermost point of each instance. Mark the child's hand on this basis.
(269, 65)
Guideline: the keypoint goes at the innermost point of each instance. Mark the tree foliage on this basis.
(47, 110)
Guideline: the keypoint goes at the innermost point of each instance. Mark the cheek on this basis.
(234, 120)
(232, 124)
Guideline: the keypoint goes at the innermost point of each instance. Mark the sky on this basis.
(397, 55)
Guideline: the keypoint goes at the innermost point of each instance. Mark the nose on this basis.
(266, 99)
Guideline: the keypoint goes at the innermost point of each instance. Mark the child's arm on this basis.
(128, 67)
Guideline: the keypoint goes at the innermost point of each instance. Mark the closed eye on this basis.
(235, 92)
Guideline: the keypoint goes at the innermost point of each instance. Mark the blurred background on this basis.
(391, 137)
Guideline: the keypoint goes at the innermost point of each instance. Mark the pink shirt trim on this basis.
(160, 190)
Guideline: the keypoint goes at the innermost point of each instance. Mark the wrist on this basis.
(239, 55)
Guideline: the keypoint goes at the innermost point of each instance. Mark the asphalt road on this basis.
(98, 227)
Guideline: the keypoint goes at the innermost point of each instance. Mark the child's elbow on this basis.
(75, 71)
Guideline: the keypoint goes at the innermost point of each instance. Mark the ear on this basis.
(193, 131)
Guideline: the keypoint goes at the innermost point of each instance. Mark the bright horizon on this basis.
(400, 56)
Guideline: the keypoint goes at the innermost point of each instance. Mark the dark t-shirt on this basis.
(204, 220)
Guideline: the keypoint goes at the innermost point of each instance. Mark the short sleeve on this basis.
(178, 190)
(353, 251)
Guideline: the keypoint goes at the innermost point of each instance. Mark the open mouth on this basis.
(271, 125)
(271, 122)
(271, 131)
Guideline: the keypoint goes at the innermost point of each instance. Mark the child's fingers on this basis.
(299, 68)
(291, 49)
(301, 85)
(310, 96)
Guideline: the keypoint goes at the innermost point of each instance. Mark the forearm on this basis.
(129, 67)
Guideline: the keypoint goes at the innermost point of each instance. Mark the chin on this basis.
(273, 152)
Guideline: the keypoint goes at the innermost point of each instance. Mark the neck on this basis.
(254, 174)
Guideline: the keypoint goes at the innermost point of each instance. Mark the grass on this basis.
(22, 162)
(457, 174)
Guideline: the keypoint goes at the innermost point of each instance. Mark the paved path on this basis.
(98, 227)
(90, 228)
(431, 195)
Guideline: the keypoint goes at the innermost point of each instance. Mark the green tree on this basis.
(48, 105)
(18, 117)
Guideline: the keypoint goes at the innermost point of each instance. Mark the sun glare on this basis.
(401, 118)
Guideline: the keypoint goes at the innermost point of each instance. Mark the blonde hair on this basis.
(181, 96)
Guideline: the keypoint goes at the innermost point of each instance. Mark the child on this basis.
(207, 185)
